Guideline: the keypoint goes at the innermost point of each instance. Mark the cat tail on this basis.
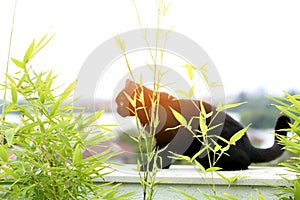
(269, 154)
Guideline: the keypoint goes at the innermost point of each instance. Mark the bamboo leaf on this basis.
(29, 53)
(203, 126)
(8, 109)
(28, 126)
(68, 91)
(238, 136)
(224, 177)
(296, 189)
(41, 44)
(173, 128)
(3, 154)
(217, 147)
(198, 153)
(18, 63)
(191, 92)
(203, 71)
(132, 101)
(166, 8)
(199, 166)
(21, 80)
(77, 156)
(190, 73)
(186, 195)
(120, 42)
(10, 172)
(134, 138)
(287, 112)
(12, 81)
(221, 107)
(179, 117)
(261, 197)
(224, 149)
(14, 94)
(293, 101)
(213, 169)
(179, 157)
(9, 136)
(190, 68)
(211, 197)
(230, 196)
(63, 97)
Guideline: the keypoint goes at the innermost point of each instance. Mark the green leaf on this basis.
(68, 91)
(297, 189)
(188, 196)
(198, 153)
(179, 157)
(77, 156)
(203, 71)
(211, 197)
(287, 112)
(224, 149)
(217, 147)
(166, 8)
(230, 196)
(224, 177)
(199, 165)
(120, 42)
(27, 127)
(14, 94)
(8, 109)
(191, 92)
(18, 63)
(260, 195)
(10, 78)
(203, 125)
(229, 180)
(134, 138)
(63, 97)
(173, 128)
(21, 80)
(10, 172)
(9, 136)
(3, 154)
(238, 136)
(221, 107)
(41, 44)
(293, 100)
(29, 52)
(190, 73)
(190, 69)
(179, 117)
(213, 169)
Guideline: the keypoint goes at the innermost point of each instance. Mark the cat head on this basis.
(123, 104)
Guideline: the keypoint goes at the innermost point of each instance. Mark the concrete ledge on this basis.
(187, 179)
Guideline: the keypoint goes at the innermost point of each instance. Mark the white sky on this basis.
(254, 44)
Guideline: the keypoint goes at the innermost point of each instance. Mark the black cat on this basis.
(182, 141)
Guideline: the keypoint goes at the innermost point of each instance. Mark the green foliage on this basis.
(43, 155)
(290, 105)
(224, 196)
(145, 139)
(214, 153)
